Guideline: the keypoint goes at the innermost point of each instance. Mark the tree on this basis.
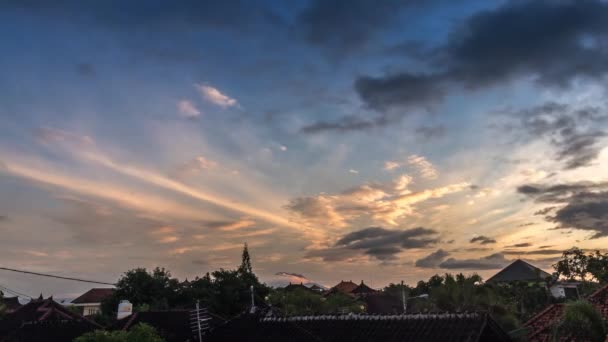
(246, 262)
(581, 321)
(297, 302)
(139, 333)
(573, 265)
(155, 290)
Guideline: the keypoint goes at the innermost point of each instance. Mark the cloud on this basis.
(344, 124)
(552, 41)
(432, 260)
(582, 205)
(216, 97)
(571, 131)
(391, 165)
(520, 245)
(353, 171)
(187, 109)
(484, 240)
(490, 262)
(431, 132)
(535, 252)
(52, 135)
(195, 166)
(3, 218)
(387, 202)
(424, 167)
(359, 21)
(377, 242)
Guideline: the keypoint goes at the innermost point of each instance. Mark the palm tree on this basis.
(581, 318)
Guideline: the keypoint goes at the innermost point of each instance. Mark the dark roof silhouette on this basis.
(44, 320)
(293, 287)
(383, 303)
(344, 287)
(362, 289)
(94, 296)
(11, 303)
(352, 328)
(541, 325)
(519, 270)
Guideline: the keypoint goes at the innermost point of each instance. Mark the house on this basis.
(345, 287)
(363, 290)
(171, 325)
(541, 326)
(519, 270)
(338, 328)
(11, 303)
(44, 320)
(293, 287)
(89, 303)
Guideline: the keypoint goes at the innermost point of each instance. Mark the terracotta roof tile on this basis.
(94, 296)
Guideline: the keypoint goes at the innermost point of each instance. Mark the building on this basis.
(345, 287)
(44, 320)
(90, 302)
(338, 328)
(519, 270)
(363, 290)
(541, 326)
(11, 303)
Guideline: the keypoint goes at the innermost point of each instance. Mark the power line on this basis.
(56, 276)
(13, 292)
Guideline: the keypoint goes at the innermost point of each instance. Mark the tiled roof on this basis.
(47, 318)
(94, 296)
(292, 287)
(345, 287)
(542, 324)
(363, 289)
(519, 270)
(353, 328)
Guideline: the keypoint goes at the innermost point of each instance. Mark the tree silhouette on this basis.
(245, 267)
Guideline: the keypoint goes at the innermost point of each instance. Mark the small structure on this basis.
(89, 302)
(519, 270)
(541, 326)
(293, 287)
(44, 320)
(565, 289)
(11, 303)
(345, 287)
(363, 290)
(338, 328)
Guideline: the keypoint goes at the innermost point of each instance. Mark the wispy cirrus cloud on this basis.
(484, 240)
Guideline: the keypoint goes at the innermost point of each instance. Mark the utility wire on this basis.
(13, 292)
(56, 276)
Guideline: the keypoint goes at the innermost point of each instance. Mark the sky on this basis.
(341, 140)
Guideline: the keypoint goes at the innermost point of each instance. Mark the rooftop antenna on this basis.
(252, 300)
(403, 296)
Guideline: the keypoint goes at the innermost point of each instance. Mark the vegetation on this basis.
(139, 333)
(583, 320)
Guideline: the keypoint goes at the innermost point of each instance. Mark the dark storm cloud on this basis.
(494, 261)
(377, 242)
(553, 41)
(585, 205)
(484, 240)
(432, 260)
(290, 274)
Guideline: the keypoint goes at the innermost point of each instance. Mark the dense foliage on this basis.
(139, 333)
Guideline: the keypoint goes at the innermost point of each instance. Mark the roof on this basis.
(94, 296)
(292, 287)
(541, 325)
(45, 319)
(344, 286)
(338, 328)
(11, 303)
(171, 325)
(519, 270)
(363, 289)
